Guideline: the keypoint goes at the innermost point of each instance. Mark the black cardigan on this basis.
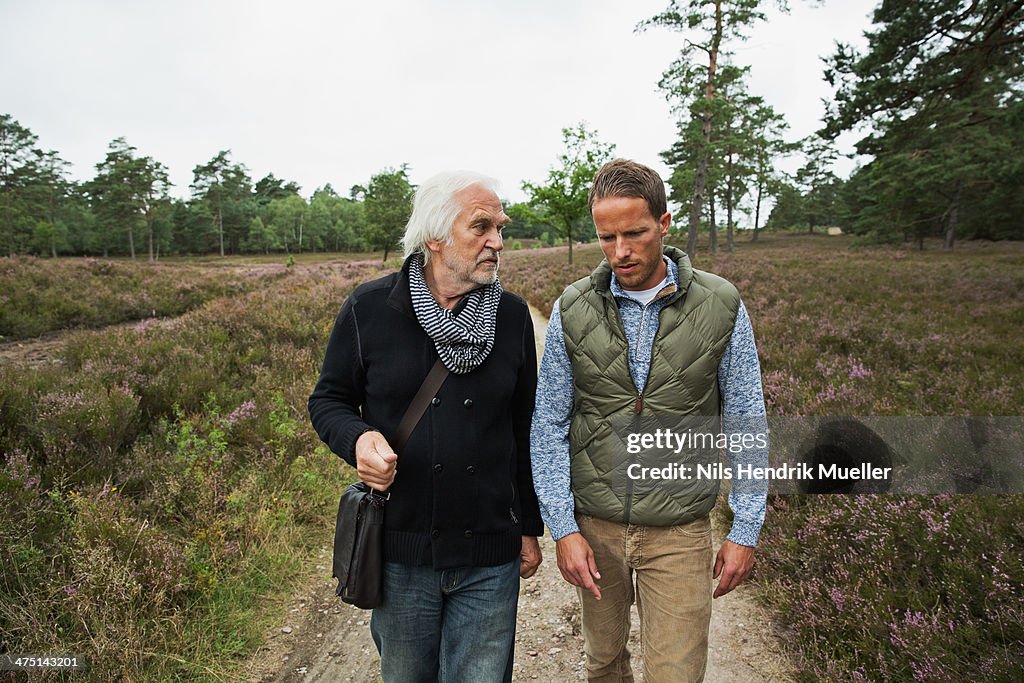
(463, 492)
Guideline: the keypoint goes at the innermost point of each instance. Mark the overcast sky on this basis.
(320, 92)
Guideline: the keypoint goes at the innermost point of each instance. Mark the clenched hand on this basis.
(375, 461)
(530, 557)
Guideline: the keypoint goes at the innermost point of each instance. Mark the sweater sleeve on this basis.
(522, 406)
(334, 406)
(549, 438)
(739, 379)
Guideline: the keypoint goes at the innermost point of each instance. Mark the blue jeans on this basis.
(449, 625)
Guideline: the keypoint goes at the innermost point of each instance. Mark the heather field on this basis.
(878, 588)
(163, 489)
(38, 296)
(162, 482)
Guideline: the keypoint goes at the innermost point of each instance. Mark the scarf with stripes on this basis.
(463, 340)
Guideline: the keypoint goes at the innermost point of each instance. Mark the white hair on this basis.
(434, 209)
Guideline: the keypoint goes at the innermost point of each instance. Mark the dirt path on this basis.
(326, 640)
(45, 350)
(38, 351)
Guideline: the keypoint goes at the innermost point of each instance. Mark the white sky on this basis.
(320, 92)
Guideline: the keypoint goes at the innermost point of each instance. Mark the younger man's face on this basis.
(631, 239)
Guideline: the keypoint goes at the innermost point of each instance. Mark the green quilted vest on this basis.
(695, 327)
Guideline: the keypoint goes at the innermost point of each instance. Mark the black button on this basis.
(435, 401)
(435, 533)
(471, 469)
(468, 534)
(468, 403)
(438, 467)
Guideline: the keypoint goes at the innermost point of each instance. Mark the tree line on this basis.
(127, 209)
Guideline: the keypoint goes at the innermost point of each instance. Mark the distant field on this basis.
(306, 257)
(38, 296)
(162, 485)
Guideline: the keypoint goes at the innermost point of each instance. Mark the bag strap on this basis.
(435, 378)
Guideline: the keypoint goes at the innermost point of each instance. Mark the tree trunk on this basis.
(149, 235)
(728, 224)
(702, 165)
(220, 230)
(728, 205)
(53, 222)
(713, 234)
(757, 210)
(569, 234)
(696, 204)
(954, 212)
(131, 241)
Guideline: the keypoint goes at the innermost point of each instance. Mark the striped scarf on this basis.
(463, 340)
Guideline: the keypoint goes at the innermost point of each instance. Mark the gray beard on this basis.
(470, 274)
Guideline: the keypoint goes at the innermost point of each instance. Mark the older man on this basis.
(462, 518)
(645, 338)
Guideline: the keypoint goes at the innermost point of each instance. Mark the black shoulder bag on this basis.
(359, 529)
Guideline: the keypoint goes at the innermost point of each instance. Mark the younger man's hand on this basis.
(576, 562)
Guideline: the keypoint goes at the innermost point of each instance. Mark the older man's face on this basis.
(472, 257)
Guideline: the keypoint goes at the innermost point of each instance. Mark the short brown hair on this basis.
(625, 178)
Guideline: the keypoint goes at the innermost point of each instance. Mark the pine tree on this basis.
(938, 89)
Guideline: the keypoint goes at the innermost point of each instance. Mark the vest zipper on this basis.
(638, 406)
(628, 504)
(637, 409)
